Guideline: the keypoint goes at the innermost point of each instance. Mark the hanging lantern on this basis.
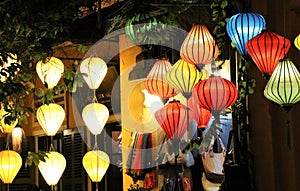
(199, 47)
(95, 116)
(173, 119)
(50, 72)
(215, 94)
(297, 42)
(10, 164)
(155, 82)
(96, 163)
(266, 49)
(50, 117)
(95, 70)
(283, 87)
(7, 128)
(243, 27)
(53, 167)
(199, 114)
(183, 76)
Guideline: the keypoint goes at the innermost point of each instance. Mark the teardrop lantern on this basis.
(50, 72)
(242, 27)
(10, 164)
(155, 82)
(199, 47)
(283, 87)
(266, 49)
(297, 42)
(95, 69)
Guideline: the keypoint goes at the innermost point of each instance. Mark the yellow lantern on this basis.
(6, 128)
(53, 167)
(95, 70)
(10, 164)
(95, 116)
(50, 72)
(50, 117)
(297, 42)
(96, 163)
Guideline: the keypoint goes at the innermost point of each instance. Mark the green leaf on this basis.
(39, 93)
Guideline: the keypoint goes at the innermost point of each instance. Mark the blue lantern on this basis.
(242, 27)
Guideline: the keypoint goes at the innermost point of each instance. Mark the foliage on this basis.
(35, 158)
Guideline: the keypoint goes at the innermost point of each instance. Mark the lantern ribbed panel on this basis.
(50, 117)
(283, 86)
(201, 115)
(183, 76)
(173, 119)
(215, 93)
(95, 70)
(95, 116)
(6, 128)
(96, 163)
(242, 27)
(266, 49)
(155, 82)
(297, 42)
(10, 164)
(53, 167)
(199, 47)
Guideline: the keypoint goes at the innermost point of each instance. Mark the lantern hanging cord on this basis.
(51, 144)
(96, 147)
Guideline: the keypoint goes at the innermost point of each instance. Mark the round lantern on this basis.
(10, 164)
(7, 128)
(283, 87)
(266, 49)
(173, 119)
(183, 76)
(199, 47)
(242, 27)
(95, 70)
(50, 72)
(155, 82)
(96, 163)
(297, 42)
(215, 94)
(50, 117)
(53, 167)
(199, 114)
(95, 116)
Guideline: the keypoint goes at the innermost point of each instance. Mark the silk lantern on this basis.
(50, 72)
(201, 115)
(10, 164)
(297, 42)
(155, 82)
(242, 27)
(199, 47)
(50, 117)
(95, 70)
(183, 76)
(7, 128)
(283, 87)
(53, 167)
(96, 163)
(266, 49)
(95, 116)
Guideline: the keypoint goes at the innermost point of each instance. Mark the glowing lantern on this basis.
(95, 70)
(7, 128)
(50, 117)
(297, 42)
(95, 116)
(10, 164)
(199, 114)
(96, 163)
(53, 167)
(183, 76)
(266, 49)
(156, 83)
(199, 47)
(50, 72)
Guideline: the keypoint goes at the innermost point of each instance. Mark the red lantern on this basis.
(156, 83)
(266, 49)
(215, 94)
(201, 115)
(199, 47)
(173, 119)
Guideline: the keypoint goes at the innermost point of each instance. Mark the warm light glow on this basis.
(11, 58)
(297, 42)
(17, 138)
(50, 117)
(50, 72)
(10, 164)
(95, 70)
(53, 167)
(6, 128)
(96, 163)
(95, 116)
